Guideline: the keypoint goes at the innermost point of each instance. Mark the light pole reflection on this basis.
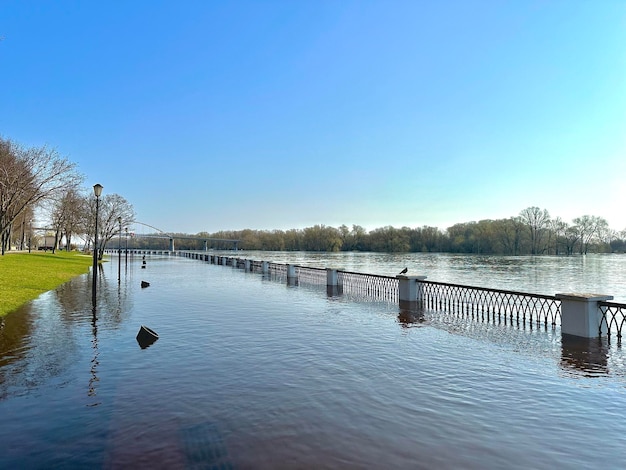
(119, 251)
(126, 254)
(93, 379)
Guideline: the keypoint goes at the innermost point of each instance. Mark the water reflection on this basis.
(93, 380)
(14, 342)
(411, 318)
(585, 356)
(39, 340)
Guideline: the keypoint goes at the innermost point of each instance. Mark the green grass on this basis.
(25, 276)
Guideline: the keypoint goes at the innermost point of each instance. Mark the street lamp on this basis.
(119, 239)
(97, 190)
(30, 235)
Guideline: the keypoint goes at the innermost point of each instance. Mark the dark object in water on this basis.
(143, 267)
(144, 284)
(146, 337)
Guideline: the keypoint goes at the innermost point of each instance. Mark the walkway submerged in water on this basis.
(580, 315)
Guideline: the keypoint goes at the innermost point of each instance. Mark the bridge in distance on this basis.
(171, 237)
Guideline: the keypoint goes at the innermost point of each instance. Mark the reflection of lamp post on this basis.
(119, 251)
(126, 261)
(97, 190)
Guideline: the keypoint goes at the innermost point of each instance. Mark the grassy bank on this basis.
(25, 276)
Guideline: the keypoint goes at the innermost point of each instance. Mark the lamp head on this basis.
(97, 189)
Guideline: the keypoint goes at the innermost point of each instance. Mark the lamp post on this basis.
(97, 190)
(30, 235)
(126, 260)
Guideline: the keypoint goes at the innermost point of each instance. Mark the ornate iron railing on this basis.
(478, 303)
(370, 286)
(311, 275)
(277, 271)
(491, 304)
(613, 319)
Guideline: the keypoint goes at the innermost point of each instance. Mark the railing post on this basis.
(247, 265)
(333, 288)
(292, 278)
(410, 292)
(265, 267)
(580, 315)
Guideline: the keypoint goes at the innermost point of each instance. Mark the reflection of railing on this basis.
(613, 318)
(371, 286)
(491, 304)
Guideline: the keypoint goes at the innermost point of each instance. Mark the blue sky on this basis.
(212, 116)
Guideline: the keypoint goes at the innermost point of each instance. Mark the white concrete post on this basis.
(333, 288)
(580, 315)
(265, 267)
(410, 292)
(247, 265)
(332, 278)
(292, 279)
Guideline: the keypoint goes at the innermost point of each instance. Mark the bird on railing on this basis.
(404, 271)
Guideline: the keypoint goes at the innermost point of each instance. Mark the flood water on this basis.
(548, 275)
(249, 373)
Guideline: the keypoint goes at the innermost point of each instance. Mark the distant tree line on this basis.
(42, 194)
(532, 232)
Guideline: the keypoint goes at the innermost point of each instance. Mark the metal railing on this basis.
(478, 303)
(309, 275)
(492, 305)
(371, 286)
(613, 319)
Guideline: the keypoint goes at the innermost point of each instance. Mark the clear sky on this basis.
(224, 115)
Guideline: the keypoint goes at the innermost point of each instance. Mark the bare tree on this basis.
(113, 207)
(536, 220)
(589, 228)
(558, 229)
(29, 176)
(509, 233)
(66, 215)
(571, 238)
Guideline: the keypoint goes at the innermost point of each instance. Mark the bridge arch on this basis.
(171, 237)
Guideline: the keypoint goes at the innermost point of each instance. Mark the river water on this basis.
(603, 274)
(250, 373)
